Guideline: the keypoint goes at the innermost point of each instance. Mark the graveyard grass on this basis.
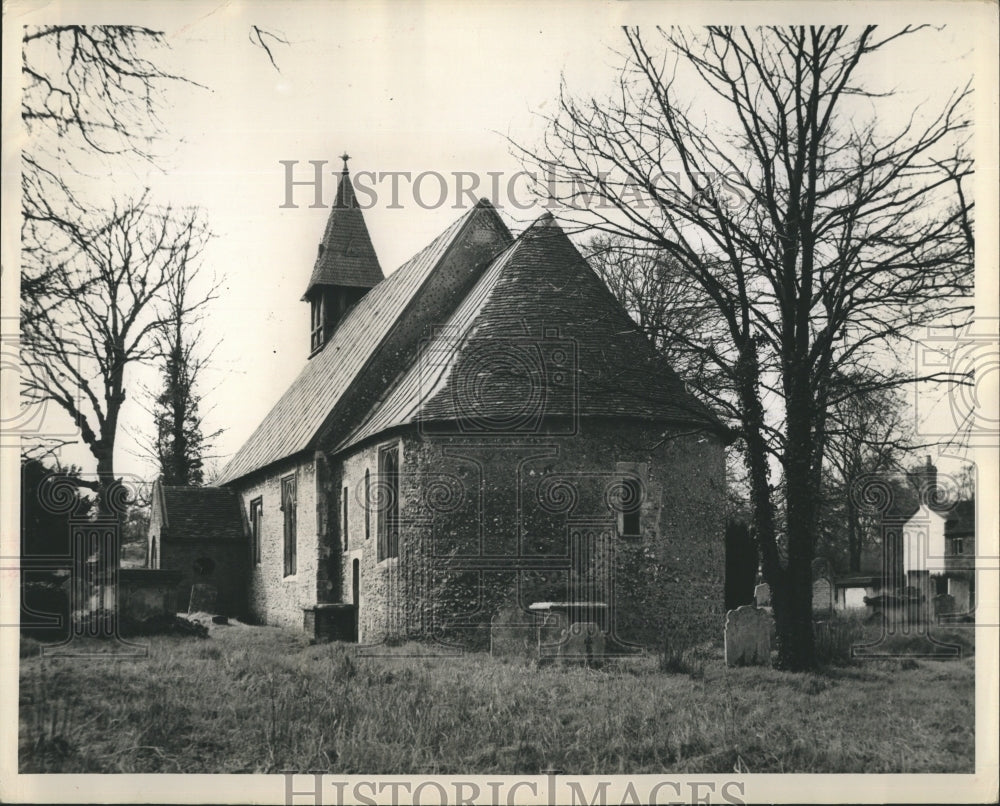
(259, 699)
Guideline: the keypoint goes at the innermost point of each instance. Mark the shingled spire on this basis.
(346, 265)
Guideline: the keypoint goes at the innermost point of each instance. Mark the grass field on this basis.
(259, 699)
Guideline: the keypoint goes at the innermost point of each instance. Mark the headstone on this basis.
(821, 568)
(944, 605)
(822, 594)
(513, 633)
(762, 595)
(582, 640)
(551, 629)
(203, 598)
(748, 637)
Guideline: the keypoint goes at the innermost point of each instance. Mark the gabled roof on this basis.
(346, 255)
(295, 421)
(199, 513)
(907, 498)
(541, 331)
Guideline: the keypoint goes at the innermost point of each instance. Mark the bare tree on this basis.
(102, 310)
(867, 433)
(94, 273)
(824, 236)
(91, 93)
(965, 482)
(679, 320)
(259, 36)
(94, 87)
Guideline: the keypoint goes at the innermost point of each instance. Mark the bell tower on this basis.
(346, 266)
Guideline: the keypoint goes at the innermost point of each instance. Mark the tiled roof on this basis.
(906, 500)
(297, 417)
(201, 513)
(962, 520)
(539, 333)
(346, 255)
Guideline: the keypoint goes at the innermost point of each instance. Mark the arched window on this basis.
(344, 525)
(288, 510)
(368, 504)
(388, 522)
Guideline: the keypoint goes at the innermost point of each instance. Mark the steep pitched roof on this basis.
(905, 498)
(346, 255)
(296, 419)
(908, 493)
(538, 333)
(200, 513)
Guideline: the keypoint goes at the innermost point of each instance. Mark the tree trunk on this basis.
(853, 537)
(795, 632)
(111, 516)
(791, 600)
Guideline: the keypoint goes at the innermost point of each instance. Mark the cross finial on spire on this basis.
(345, 157)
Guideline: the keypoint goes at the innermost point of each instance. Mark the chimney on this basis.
(925, 476)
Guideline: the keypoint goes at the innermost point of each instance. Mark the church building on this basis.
(483, 428)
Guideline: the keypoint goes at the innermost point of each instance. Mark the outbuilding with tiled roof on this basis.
(200, 532)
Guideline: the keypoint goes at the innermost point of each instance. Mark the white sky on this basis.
(415, 87)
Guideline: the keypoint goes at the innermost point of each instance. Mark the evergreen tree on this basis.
(181, 442)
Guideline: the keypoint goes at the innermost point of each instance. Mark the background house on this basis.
(960, 556)
(924, 549)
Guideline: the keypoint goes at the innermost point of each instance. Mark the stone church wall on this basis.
(274, 598)
(548, 500)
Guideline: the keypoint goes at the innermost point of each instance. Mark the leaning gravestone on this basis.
(582, 641)
(748, 637)
(203, 598)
